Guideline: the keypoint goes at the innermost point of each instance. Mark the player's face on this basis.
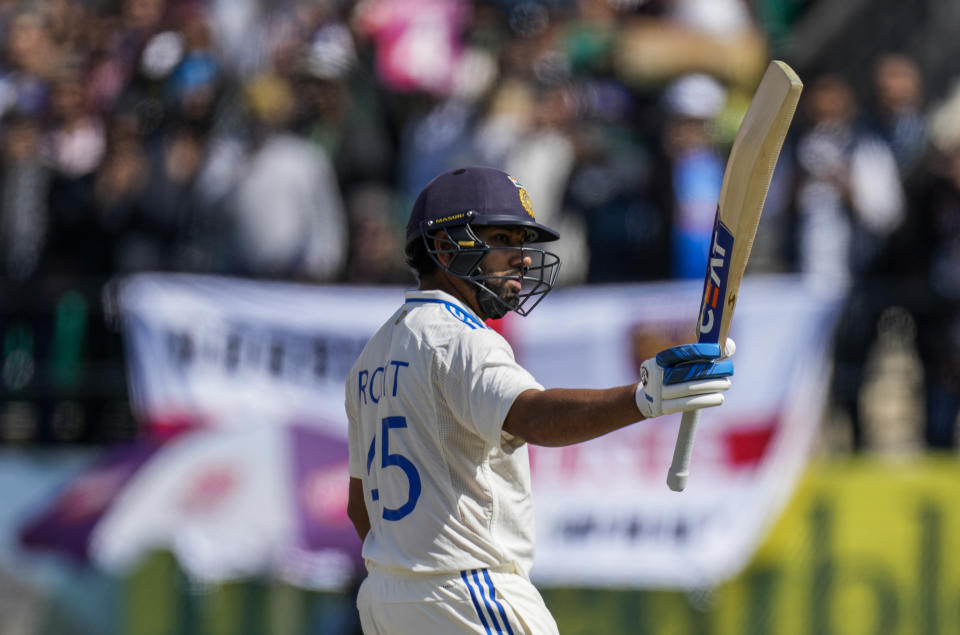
(505, 262)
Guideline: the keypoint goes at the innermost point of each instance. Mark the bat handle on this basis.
(680, 467)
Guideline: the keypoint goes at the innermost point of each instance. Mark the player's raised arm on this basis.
(678, 379)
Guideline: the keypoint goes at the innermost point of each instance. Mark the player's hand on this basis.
(682, 378)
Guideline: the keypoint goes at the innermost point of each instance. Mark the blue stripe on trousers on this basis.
(486, 602)
(493, 596)
(476, 605)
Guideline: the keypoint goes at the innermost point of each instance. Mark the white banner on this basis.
(216, 351)
(222, 351)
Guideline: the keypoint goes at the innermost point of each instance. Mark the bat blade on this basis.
(746, 180)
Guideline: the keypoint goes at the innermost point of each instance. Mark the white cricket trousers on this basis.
(483, 601)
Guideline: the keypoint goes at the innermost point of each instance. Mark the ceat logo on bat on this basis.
(715, 284)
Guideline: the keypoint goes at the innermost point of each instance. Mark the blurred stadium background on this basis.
(284, 142)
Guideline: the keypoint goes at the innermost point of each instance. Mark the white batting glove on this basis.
(683, 378)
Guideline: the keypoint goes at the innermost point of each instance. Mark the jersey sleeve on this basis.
(353, 426)
(481, 380)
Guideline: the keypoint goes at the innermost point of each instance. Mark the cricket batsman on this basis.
(440, 414)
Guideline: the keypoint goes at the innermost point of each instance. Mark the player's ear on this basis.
(441, 246)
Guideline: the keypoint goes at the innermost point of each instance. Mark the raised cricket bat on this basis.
(745, 183)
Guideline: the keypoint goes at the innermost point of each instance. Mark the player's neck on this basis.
(457, 287)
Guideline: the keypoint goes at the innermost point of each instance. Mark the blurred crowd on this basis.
(287, 140)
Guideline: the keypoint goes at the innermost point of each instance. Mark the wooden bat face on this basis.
(745, 183)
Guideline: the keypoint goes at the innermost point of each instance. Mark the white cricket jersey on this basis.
(445, 487)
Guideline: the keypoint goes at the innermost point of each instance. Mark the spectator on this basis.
(544, 154)
(692, 102)
(76, 144)
(31, 60)
(897, 114)
(340, 109)
(617, 187)
(73, 147)
(286, 212)
(849, 199)
(932, 293)
(925, 264)
(849, 195)
(118, 188)
(375, 244)
(24, 217)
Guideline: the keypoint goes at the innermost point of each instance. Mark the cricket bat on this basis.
(744, 189)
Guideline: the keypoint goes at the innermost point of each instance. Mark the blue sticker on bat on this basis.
(715, 283)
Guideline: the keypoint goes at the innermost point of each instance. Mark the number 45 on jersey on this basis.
(394, 460)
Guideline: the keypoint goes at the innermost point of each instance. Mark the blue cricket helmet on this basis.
(444, 217)
(494, 197)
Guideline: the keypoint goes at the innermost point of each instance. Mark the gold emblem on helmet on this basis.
(526, 202)
(524, 197)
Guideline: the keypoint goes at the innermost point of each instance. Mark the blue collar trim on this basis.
(456, 311)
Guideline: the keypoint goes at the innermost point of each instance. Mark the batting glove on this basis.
(682, 378)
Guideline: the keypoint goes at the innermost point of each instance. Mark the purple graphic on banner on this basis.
(321, 479)
(66, 524)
